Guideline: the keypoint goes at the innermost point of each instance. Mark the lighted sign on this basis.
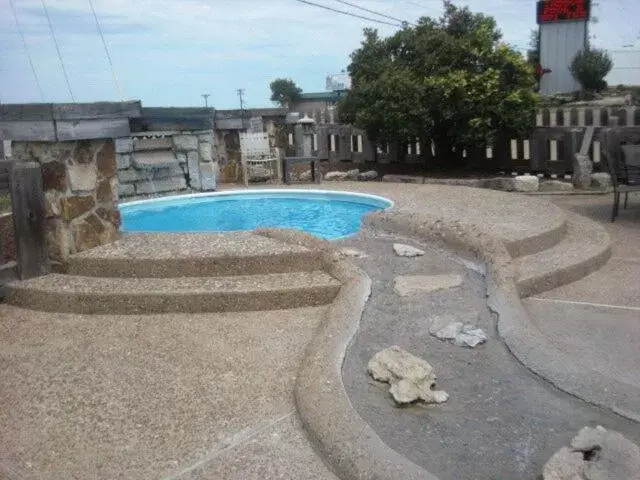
(550, 11)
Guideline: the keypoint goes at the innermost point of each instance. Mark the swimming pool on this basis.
(329, 215)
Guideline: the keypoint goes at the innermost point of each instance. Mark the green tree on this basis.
(533, 52)
(590, 67)
(448, 79)
(285, 92)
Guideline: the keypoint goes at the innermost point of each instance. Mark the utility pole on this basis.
(241, 97)
(206, 99)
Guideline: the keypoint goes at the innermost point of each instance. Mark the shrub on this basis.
(590, 67)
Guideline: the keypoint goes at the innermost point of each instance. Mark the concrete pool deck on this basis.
(50, 398)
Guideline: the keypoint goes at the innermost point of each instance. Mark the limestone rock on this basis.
(352, 253)
(601, 180)
(526, 183)
(403, 250)
(193, 167)
(75, 206)
(185, 142)
(83, 177)
(470, 336)
(54, 176)
(205, 152)
(126, 189)
(368, 176)
(106, 160)
(411, 378)
(501, 183)
(582, 169)
(595, 454)
(555, 186)
(124, 145)
(166, 185)
(123, 161)
(331, 176)
(107, 190)
(406, 285)
(52, 203)
(305, 176)
(208, 176)
(92, 232)
(458, 333)
(352, 174)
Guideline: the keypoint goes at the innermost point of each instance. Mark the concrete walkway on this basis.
(596, 320)
(156, 396)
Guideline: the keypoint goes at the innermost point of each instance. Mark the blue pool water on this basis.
(328, 215)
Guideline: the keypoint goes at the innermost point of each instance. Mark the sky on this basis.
(170, 52)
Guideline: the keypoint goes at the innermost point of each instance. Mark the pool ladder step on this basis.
(102, 295)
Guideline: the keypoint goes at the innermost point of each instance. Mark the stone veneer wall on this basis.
(80, 194)
(158, 162)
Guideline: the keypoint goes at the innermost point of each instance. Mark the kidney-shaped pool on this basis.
(329, 215)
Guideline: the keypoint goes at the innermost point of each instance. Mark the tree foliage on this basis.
(448, 79)
(590, 67)
(285, 92)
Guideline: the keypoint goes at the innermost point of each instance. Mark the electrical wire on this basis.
(106, 51)
(349, 13)
(344, 2)
(64, 70)
(26, 49)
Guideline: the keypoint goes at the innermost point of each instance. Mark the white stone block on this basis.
(185, 142)
(159, 186)
(205, 151)
(124, 145)
(126, 189)
(83, 177)
(123, 161)
(526, 183)
(208, 176)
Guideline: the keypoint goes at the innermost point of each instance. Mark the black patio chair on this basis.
(625, 174)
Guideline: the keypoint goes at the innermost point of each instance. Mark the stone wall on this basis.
(159, 162)
(80, 194)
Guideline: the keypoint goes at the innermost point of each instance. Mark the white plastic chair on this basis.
(256, 154)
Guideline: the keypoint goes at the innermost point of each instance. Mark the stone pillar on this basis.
(80, 191)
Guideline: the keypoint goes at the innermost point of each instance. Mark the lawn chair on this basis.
(624, 168)
(257, 157)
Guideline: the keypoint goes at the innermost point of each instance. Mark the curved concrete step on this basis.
(585, 248)
(95, 295)
(163, 255)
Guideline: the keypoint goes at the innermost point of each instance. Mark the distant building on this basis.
(318, 105)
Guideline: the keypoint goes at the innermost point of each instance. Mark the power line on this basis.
(349, 13)
(26, 49)
(370, 11)
(106, 51)
(64, 70)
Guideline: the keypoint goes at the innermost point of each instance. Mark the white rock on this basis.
(185, 142)
(330, 176)
(124, 145)
(526, 183)
(450, 332)
(470, 336)
(601, 180)
(83, 176)
(352, 174)
(369, 175)
(595, 453)
(411, 378)
(555, 186)
(353, 253)
(403, 250)
(405, 285)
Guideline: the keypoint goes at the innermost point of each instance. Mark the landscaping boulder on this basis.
(601, 181)
(403, 250)
(555, 186)
(331, 176)
(368, 176)
(594, 454)
(352, 174)
(411, 378)
(526, 183)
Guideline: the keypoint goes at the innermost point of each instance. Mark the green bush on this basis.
(590, 67)
(5, 203)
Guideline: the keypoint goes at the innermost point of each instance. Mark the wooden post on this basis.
(27, 198)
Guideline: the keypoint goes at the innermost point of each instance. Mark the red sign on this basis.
(550, 11)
